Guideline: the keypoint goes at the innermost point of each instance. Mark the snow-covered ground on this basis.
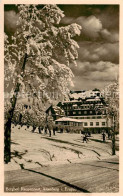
(31, 150)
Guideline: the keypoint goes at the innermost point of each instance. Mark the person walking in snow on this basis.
(85, 138)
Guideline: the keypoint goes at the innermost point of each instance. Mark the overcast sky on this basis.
(98, 60)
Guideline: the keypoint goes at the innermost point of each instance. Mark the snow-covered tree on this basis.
(111, 94)
(38, 56)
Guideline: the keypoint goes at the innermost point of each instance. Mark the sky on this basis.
(98, 61)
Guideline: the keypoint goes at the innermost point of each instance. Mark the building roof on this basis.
(67, 119)
(72, 101)
(92, 100)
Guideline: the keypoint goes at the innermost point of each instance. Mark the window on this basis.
(74, 112)
(93, 117)
(85, 112)
(88, 117)
(103, 123)
(91, 123)
(91, 112)
(85, 124)
(79, 112)
(66, 123)
(97, 123)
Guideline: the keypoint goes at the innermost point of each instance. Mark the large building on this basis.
(91, 110)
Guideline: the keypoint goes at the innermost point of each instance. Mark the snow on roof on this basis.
(93, 99)
(67, 119)
(97, 98)
(72, 101)
(77, 95)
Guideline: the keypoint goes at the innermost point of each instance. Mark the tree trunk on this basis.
(54, 131)
(39, 129)
(34, 128)
(113, 143)
(7, 127)
(49, 132)
(113, 139)
(7, 136)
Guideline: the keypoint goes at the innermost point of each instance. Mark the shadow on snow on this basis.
(61, 181)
